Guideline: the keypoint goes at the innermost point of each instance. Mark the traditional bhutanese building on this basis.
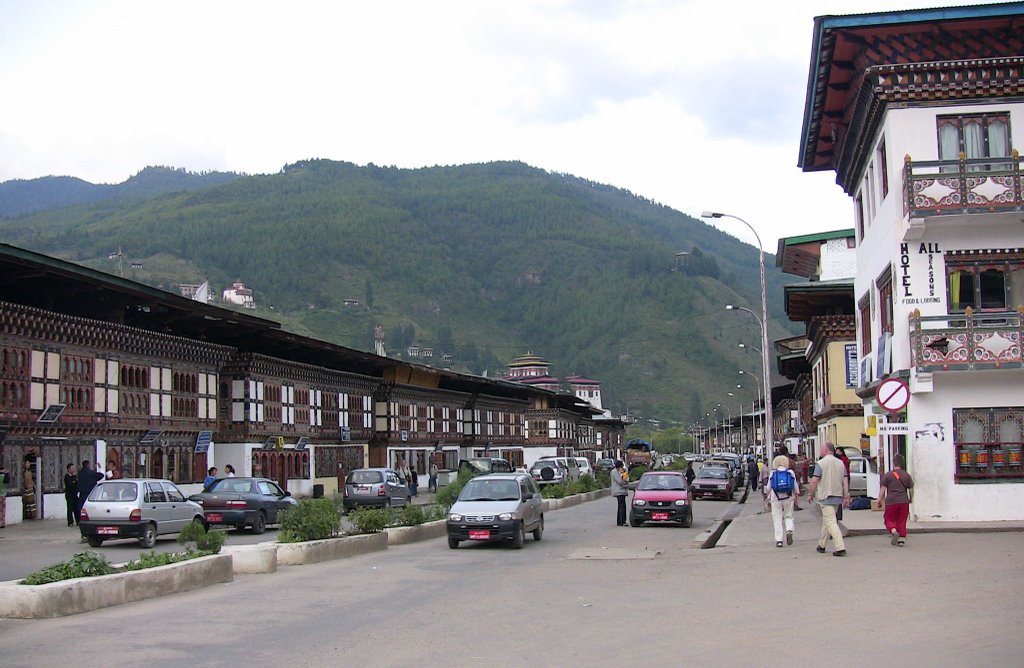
(823, 303)
(920, 114)
(95, 367)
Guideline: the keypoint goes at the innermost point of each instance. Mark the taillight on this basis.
(381, 492)
(235, 504)
(136, 515)
(84, 515)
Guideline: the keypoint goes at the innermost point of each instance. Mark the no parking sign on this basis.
(893, 394)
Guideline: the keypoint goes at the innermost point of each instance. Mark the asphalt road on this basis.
(590, 593)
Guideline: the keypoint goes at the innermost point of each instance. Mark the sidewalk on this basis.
(40, 532)
(753, 526)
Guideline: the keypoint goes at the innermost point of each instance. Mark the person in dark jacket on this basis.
(87, 479)
(690, 475)
(752, 472)
(71, 495)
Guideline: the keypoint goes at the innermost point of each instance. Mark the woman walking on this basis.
(781, 493)
(895, 495)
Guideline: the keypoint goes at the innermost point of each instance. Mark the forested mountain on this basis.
(480, 261)
(20, 197)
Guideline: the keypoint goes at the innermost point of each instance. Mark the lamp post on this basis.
(769, 425)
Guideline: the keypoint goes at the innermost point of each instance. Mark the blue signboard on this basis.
(203, 442)
(852, 372)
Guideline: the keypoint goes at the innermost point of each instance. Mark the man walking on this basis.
(753, 472)
(895, 495)
(620, 488)
(831, 489)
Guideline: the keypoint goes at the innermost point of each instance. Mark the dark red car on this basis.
(661, 496)
(716, 482)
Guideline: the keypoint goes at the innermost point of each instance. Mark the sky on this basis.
(695, 104)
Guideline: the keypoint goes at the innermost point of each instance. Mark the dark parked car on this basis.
(241, 502)
(661, 496)
(485, 465)
(714, 481)
(604, 465)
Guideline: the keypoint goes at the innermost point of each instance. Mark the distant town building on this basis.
(587, 390)
(351, 302)
(239, 294)
(533, 370)
(197, 292)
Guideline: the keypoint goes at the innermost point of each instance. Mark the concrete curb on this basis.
(69, 597)
(315, 551)
(924, 530)
(415, 534)
(251, 559)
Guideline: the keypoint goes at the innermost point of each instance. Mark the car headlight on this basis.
(681, 502)
(639, 502)
(455, 517)
(504, 517)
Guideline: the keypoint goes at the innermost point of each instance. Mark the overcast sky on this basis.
(693, 103)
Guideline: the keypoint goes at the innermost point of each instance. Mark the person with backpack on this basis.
(782, 492)
(894, 495)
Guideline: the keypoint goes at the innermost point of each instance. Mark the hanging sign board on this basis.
(893, 394)
(203, 441)
(302, 443)
(52, 412)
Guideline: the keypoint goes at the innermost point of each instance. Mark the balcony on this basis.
(967, 341)
(958, 187)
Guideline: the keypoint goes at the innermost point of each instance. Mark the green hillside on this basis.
(482, 261)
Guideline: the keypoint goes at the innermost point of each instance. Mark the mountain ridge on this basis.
(480, 261)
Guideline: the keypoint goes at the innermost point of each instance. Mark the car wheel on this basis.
(94, 541)
(520, 538)
(260, 524)
(688, 522)
(538, 533)
(148, 538)
(453, 543)
(634, 522)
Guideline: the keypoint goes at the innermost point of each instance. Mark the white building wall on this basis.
(932, 453)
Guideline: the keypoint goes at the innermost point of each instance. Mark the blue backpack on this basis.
(782, 483)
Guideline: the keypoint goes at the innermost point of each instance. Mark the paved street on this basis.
(590, 592)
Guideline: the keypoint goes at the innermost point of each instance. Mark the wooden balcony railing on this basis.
(967, 341)
(944, 187)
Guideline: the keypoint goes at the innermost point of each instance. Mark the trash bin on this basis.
(318, 491)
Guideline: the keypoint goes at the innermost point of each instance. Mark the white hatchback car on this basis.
(138, 508)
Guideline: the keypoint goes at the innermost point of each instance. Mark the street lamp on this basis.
(764, 328)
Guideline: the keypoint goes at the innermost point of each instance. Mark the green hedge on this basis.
(311, 519)
(586, 483)
(373, 520)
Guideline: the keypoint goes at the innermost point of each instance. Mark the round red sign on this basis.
(893, 394)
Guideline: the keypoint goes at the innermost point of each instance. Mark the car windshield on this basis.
(365, 477)
(231, 485)
(547, 462)
(714, 473)
(662, 482)
(115, 491)
(490, 490)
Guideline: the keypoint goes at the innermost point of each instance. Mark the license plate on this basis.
(659, 516)
(214, 517)
(479, 534)
(107, 531)
(362, 488)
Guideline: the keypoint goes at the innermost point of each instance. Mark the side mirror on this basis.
(287, 493)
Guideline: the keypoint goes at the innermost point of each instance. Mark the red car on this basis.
(661, 496)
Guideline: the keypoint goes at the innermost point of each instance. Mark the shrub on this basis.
(449, 494)
(603, 480)
(195, 538)
(82, 565)
(370, 520)
(311, 519)
(636, 472)
(152, 559)
(410, 515)
(553, 491)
